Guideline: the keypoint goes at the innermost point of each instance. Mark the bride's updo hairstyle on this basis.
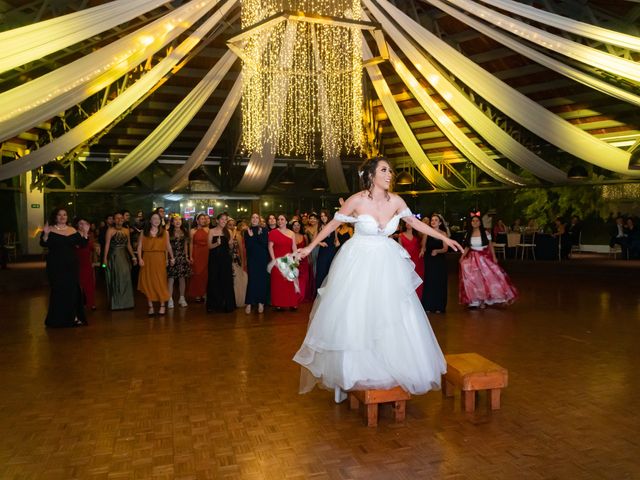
(367, 171)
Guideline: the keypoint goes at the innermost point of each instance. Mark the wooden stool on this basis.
(371, 398)
(471, 372)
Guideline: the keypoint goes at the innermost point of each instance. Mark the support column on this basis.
(32, 207)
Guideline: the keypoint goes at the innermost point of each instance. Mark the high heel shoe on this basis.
(247, 309)
(261, 308)
(161, 310)
(151, 312)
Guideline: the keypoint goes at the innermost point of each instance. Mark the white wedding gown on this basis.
(368, 329)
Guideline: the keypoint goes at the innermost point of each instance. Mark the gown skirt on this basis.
(483, 281)
(200, 268)
(368, 329)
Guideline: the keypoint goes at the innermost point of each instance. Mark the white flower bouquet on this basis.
(288, 267)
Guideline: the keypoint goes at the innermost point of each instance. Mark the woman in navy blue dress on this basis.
(256, 240)
(326, 252)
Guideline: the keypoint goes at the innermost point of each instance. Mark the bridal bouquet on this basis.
(288, 266)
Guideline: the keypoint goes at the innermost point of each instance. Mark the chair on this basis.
(528, 243)
(500, 248)
(11, 246)
(617, 249)
(577, 248)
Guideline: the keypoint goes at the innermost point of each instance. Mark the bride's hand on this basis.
(453, 244)
(303, 252)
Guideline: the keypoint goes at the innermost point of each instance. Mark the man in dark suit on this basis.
(619, 236)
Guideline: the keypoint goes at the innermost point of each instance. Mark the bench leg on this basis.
(399, 409)
(495, 398)
(448, 388)
(353, 402)
(372, 415)
(469, 400)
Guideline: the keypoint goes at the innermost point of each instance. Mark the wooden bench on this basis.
(470, 373)
(372, 398)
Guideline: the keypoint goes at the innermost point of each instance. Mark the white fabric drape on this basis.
(539, 57)
(574, 50)
(110, 113)
(211, 137)
(41, 99)
(164, 134)
(523, 110)
(587, 30)
(468, 111)
(261, 161)
(29, 43)
(402, 128)
(457, 137)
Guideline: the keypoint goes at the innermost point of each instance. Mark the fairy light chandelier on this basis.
(302, 76)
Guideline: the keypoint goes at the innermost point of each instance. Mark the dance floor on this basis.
(197, 396)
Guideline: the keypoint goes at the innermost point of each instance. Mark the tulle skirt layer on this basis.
(368, 329)
(483, 281)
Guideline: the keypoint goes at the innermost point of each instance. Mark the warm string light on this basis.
(302, 79)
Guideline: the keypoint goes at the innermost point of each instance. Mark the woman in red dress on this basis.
(412, 244)
(281, 242)
(85, 264)
(304, 268)
(199, 259)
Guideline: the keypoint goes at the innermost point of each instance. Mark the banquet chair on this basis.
(527, 244)
(500, 249)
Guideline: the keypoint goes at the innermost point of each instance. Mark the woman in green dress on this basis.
(117, 258)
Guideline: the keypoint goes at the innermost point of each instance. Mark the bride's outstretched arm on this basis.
(427, 230)
(347, 208)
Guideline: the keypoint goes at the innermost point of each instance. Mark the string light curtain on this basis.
(32, 42)
(210, 138)
(539, 57)
(164, 134)
(402, 128)
(111, 112)
(512, 103)
(321, 52)
(587, 30)
(468, 111)
(41, 99)
(574, 50)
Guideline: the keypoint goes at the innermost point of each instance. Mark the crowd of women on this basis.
(226, 264)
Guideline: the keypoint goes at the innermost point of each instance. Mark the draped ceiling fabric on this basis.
(539, 57)
(211, 137)
(26, 44)
(568, 25)
(511, 102)
(468, 111)
(30, 104)
(41, 99)
(161, 138)
(577, 51)
(112, 111)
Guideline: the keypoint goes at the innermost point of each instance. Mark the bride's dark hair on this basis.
(367, 171)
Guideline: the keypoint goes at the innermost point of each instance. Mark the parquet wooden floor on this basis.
(196, 396)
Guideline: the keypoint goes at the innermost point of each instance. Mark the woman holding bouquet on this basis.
(281, 243)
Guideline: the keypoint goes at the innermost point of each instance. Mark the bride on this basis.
(368, 329)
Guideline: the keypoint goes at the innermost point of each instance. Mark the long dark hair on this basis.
(225, 230)
(147, 226)
(54, 214)
(367, 171)
(483, 232)
(172, 227)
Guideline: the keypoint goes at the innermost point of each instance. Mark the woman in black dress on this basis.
(434, 293)
(220, 294)
(65, 300)
(256, 240)
(326, 251)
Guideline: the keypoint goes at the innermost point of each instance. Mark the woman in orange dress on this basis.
(153, 248)
(282, 242)
(199, 258)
